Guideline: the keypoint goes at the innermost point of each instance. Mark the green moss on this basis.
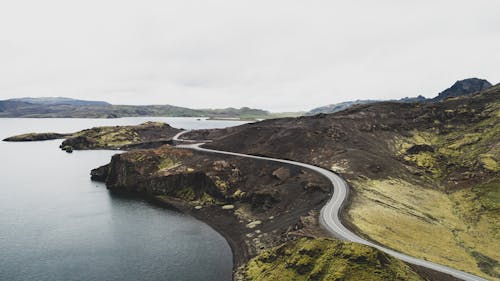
(67, 148)
(186, 194)
(472, 147)
(325, 259)
(166, 164)
(489, 162)
(116, 136)
(222, 186)
(487, 265)
(424, 160)
(206, 199)
(482, 199)
(238, 194)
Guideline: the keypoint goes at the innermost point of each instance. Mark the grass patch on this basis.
(325, 259)
(408, 218)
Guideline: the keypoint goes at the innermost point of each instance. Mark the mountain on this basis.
(59, 100)
(463, 87)
(460, 88)
(331, 108)
(60, 107)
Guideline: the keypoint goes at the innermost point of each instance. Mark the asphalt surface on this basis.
(330, 213)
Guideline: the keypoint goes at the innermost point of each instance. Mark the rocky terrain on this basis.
(254, 204)
(418, 171)
(257, 206)
(146, 135)
(37, 137)
(425, 181)
(149, 134)
(462, 88)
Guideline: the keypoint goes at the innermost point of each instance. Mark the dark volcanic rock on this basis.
(462, 88)
(420, 148)
(146, 135)
(360, 141)
(203, 184)
(36, 137)
(100, 174)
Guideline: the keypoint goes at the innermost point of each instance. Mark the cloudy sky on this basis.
(281, 55)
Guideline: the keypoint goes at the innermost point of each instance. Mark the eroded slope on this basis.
(425, 177)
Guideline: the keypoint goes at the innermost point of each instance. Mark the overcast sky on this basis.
(278, 55)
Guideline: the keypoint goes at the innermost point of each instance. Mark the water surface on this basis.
(56, 224)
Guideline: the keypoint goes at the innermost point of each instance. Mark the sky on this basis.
(279, 55)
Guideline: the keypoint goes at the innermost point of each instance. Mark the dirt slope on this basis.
(425, 176)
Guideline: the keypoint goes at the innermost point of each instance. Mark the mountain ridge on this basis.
(61, 107)
(459, 88)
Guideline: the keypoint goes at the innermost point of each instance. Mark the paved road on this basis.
(329, 217)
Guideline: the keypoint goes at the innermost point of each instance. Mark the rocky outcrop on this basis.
(128, 174)
(241, 198)
(462, 88)
(36, 137)
(147, 135)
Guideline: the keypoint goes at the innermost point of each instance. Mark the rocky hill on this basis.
(331, 108)
(460, 88)
(146, 135)
(463, 87)
(418, 171)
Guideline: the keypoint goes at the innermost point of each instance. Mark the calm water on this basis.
(56, 224)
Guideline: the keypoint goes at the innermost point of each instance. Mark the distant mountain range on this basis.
(460, 88)
(60, 107)
(60, 100)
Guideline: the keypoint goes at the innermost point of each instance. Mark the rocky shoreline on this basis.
(413, 169)
(221, 191)
(253, 226)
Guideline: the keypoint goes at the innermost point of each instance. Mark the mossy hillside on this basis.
(117, 137)
(479, 209)
(461, 151)
(451, 192)
(108, 137)
(326, 259)
(408, 217)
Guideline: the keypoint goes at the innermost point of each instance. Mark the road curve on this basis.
(330, 213)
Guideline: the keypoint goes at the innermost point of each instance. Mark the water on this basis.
(56, 224)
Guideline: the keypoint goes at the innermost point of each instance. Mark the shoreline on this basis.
(221, 221)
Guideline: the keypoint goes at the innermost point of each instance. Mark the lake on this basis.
(57, 224)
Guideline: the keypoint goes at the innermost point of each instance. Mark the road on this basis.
(330, 213)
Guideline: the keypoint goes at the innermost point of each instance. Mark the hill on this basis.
(460, 88)
(463, 87)
(70, 108)
(425, 177)
(59, 100)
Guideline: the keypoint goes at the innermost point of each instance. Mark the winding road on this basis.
(330, 213)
